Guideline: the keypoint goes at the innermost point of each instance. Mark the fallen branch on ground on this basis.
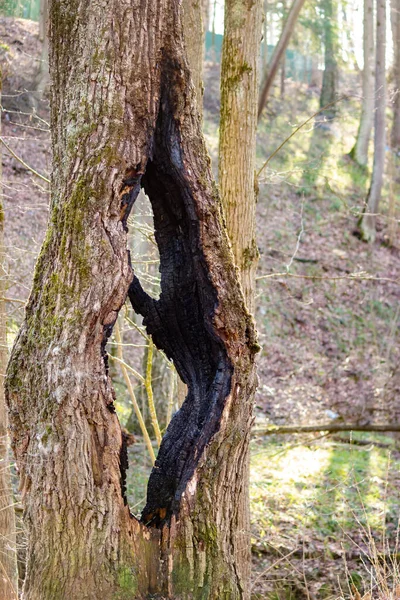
(331, 427)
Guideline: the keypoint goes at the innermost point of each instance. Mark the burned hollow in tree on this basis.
(181, 320)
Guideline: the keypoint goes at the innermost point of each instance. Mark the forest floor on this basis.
(324, 508)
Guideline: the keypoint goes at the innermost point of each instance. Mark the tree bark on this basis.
(279, 51)
(360, 150)
(238, 124)
(330, 76)
(395, 18)
(193, 30)
(123, 116)
(8, 548)
(368, 220)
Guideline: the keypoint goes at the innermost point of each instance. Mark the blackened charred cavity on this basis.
(180, 322)
(129, 192)
(123, 465)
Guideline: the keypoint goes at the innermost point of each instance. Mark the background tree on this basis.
(8, 552)
(237, 143)
(360, 149)
(368, 220)
(279, 52)
(42, 77)
(395, 20)
(193, 28)
(330, 76)
(124, 116)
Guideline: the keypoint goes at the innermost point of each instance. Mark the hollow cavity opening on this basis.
(180, 319)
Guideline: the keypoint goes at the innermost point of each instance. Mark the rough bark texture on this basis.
(279, 51)
(395, 18)
(360, 150)
(192, 20)
(238, 124)
(330, 76)
(123, 116)
(8, 550)
(367, 223)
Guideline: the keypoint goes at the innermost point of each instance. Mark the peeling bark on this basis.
(124, 116)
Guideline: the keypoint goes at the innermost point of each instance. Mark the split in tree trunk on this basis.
(124, 116)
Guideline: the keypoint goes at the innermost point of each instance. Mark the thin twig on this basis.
(351, 277)
(321, 110)
(149, 392)
(19, 159)
(126, 366)
(132, 394)
(331, 427)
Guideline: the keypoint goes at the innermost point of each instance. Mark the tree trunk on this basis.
(395, 17)
(124, 116)
(8, 549)
(265, 36)
(42, 79)
(193, 30)
(330, 76)
(205, 10)
(360, 150)
(238, 124)
(283, 61)
(43, 19)
(368, 220)
(279, 51)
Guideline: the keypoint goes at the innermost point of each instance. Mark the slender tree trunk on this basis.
(42, 79)
(360, 150)
(213, 47)
(238, 124)
(279, 51)
(43, 19)
(192, 20)
(395, 18)
(330, 76)
(368, 220)
(205, 9)
(8, 550)
(124, 116)
(283, 61)
(265, 36)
